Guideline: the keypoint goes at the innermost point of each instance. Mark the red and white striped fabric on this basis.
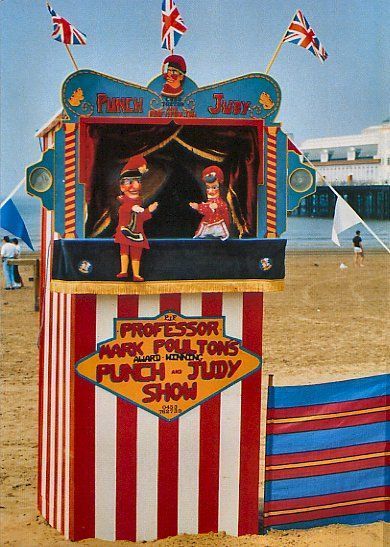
(112, 471)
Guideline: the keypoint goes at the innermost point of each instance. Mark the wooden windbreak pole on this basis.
(271, 62)
(270, 380)
(263, 429)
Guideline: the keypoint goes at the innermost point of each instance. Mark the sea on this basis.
(303, 233)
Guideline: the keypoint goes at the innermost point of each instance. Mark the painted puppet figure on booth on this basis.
(215, 212)
(130, 231)
(174, 69)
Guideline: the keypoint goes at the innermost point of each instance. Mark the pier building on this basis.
(358, 166)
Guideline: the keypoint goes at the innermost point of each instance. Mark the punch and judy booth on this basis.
(162, 208)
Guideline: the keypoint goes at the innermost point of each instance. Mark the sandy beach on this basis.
(329, 324)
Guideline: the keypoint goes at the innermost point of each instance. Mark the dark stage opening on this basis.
(176, 156)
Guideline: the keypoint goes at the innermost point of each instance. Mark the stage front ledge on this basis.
(168, 287)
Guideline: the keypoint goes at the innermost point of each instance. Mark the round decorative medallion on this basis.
(41, 179)
(300, 180)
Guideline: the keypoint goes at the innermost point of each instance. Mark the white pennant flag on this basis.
(344, 218)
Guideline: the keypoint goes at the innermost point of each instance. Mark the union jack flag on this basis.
(64, 31)
(300, 32)
(172, 25)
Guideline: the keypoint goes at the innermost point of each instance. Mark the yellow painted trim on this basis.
(212, 157)
(329, 506)
(272, 130)
(162, 143)
(69, 128)
(326, 416)
(242, 228)
(327, 462)
(167, 287)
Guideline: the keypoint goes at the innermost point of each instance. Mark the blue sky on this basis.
(225, 39)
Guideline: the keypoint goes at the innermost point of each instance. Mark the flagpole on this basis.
(361, 220)
(66, 45)
(71, 56)
(13, 192)
(278, 47)
(338, 195)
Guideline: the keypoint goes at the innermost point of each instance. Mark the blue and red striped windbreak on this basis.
(326, 454)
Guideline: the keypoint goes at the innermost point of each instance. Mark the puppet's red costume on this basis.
(215, 212)
(215, 223)
(130, 230)
(128, 217)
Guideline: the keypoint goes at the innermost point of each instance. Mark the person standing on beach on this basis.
(8, 251)
(358, 249)
(18, 279)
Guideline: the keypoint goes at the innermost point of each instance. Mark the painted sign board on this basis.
(169, 364)
(89, 93)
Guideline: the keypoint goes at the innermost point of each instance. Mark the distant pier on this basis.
(370, 202)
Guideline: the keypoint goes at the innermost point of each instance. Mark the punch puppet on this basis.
(215, 212)
(130, 232)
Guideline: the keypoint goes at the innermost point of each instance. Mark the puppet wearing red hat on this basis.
(136, 166)
(174, 70)
(215, 212)
(130, 230)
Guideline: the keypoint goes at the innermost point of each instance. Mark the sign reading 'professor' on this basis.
(169, 364)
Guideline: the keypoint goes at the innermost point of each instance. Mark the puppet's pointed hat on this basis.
(135, 167)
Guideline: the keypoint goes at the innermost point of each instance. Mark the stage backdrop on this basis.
(326, 454)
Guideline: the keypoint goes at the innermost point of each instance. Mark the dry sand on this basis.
(329, 324)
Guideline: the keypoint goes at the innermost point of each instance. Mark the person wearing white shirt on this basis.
(8, 250)
(17, 277)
